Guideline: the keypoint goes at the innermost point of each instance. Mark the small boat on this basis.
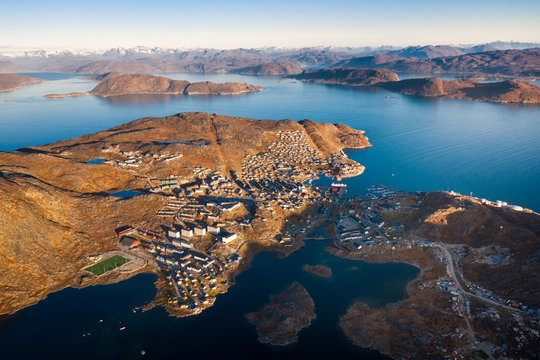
(122, 328)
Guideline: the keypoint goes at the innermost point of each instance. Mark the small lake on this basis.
(126, 193)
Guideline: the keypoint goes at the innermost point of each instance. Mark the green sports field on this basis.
(107, 265)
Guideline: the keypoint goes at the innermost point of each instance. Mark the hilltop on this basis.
(10, 82)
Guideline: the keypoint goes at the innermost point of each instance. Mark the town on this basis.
(208, 217)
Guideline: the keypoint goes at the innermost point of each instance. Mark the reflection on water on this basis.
(141, 98)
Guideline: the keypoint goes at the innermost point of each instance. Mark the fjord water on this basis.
(67, 324)
(491, 150)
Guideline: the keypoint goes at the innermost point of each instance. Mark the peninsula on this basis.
(508, 91)
(223, 188)
(115, 84)
(477, 291)
(10, 82)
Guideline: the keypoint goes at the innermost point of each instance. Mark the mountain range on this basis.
(498, 58)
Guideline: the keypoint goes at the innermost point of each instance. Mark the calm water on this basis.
(491, 150)
(219, 331)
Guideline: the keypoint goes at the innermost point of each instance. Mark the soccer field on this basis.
(107, 265)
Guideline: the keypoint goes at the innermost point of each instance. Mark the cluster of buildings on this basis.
(283, 157)
(280, 159)
(194, 275)
(449, 285)
(498, 203)
(360, 226)
(135, 158)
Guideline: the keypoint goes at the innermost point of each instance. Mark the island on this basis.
(10, 82)
(192, 196)
(279, 322)
(319, 270)
(508, 91)
(116, 84)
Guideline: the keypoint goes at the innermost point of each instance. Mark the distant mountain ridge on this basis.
(261, 61)
(503, 63)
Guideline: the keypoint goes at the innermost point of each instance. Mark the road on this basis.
(468, 293)
(461, 291)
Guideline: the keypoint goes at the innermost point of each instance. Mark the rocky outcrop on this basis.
(10, 82)
(279, 321)
(319, 270)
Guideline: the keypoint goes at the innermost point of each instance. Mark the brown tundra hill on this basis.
(55, 208)
(115, 84)
(269, 69)
(10, 82)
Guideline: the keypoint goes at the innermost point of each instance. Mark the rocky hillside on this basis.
(269, 69)
(10, 82)
(514, 235)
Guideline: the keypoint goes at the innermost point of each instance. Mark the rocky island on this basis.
(116, 84)
(508, 91)
(188, 195)
(319, 270)
(280, 321)
(10, 82)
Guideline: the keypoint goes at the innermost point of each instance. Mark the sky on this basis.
(99, 24)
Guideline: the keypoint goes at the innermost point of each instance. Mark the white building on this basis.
(227, 238)
(213, 229)
(201, 231)
(187, 232)
(174, 234)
